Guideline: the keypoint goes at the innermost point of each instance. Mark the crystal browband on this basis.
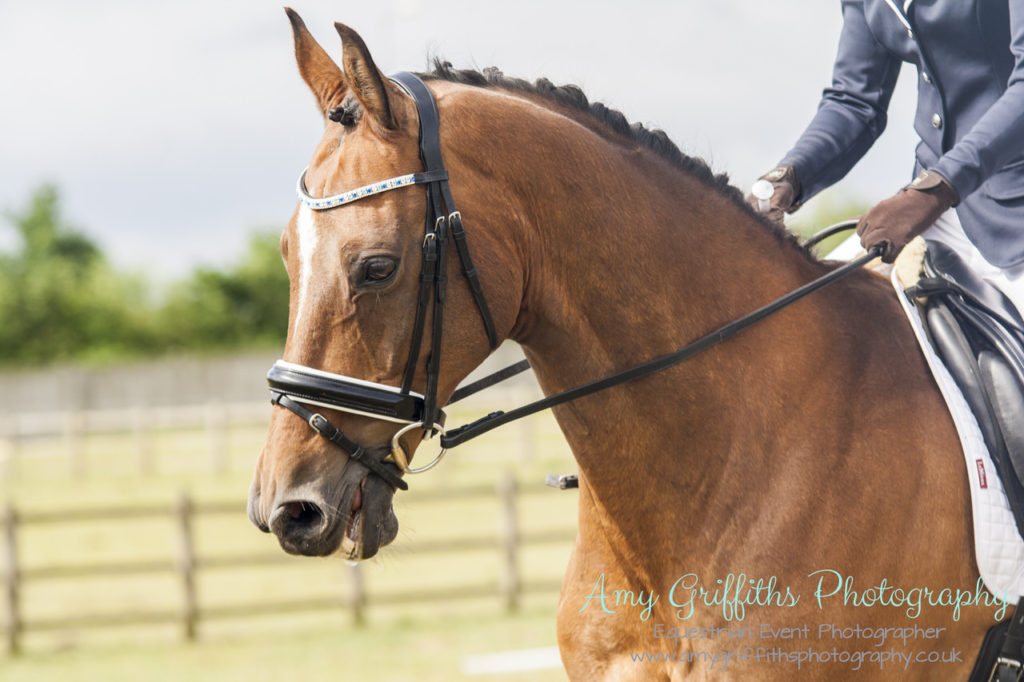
(324, 203)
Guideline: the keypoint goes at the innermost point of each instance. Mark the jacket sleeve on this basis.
(997, 138)
(852, 112)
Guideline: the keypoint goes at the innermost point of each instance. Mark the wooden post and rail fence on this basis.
(508, 542)
(72, 428)
(67, 434)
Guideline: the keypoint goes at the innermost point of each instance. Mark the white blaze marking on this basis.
(307, 245)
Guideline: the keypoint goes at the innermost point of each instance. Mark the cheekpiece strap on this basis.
(430, 153)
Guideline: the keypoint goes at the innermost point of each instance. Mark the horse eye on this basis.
(378, 269)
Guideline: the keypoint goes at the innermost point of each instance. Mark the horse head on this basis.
(355, 273)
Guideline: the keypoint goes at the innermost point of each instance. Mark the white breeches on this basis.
(948, 231)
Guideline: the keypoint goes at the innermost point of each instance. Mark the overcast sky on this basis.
(173, 129)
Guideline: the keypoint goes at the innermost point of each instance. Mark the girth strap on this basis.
(1008, 667)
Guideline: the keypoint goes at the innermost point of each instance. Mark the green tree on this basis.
(59, 297)
(244, 306)
(46, 238)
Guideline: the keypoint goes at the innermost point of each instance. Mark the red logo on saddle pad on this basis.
(982, 479)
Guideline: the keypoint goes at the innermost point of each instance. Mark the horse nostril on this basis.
(300, 526)
(295, 509)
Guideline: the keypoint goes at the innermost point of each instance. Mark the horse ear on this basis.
(321, 74)
(367, 82)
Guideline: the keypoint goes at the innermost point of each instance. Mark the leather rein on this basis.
(297, 387)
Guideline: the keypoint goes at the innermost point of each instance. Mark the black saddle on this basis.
(979, 334)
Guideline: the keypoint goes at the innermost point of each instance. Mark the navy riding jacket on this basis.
(969, 56)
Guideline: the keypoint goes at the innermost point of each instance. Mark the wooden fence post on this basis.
(217, 436)
(187, 565)
(509, 534)
(357, 594)
(12, 631)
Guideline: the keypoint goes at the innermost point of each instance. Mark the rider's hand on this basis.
(786, 187)
(900, 218)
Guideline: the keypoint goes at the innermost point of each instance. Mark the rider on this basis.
(969, 56)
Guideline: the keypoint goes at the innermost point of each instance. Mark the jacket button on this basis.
(936, 121)
(926, 77)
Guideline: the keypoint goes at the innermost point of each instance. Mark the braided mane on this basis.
(655, 140)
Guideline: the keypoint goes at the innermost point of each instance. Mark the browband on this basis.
(324, 203)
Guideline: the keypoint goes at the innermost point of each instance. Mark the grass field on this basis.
(421, 647)
(399, 641)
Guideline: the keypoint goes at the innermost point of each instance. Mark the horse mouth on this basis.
(352, 518)
(371, 522)
(351, 547)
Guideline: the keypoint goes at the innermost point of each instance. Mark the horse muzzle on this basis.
(353, 518)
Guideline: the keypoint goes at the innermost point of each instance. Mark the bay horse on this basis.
(804, 475)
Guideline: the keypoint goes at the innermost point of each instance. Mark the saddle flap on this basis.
(1006, 396)
(952, 345)
(985, 364)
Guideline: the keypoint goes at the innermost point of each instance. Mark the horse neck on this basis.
(625, 258)
(649, 261)
(628, 257)
(634, 273)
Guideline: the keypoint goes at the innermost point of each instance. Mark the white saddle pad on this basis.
(997, 544)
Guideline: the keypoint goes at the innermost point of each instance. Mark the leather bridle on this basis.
(295, 387)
